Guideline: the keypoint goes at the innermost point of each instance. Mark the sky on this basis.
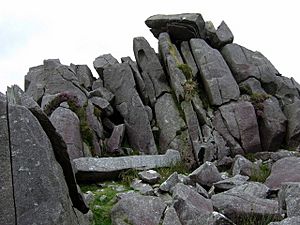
(79, 31)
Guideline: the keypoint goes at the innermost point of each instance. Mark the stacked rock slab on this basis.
(35, 190)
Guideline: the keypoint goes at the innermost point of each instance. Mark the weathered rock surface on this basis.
(119, 80)
(236, 205)
(240, 120)
(189, 204)
(92, 169)
(251, 86)
(149, 63)
(149, 176)
(284, 170)
(102, 62)
(242, 166)
(289, 198)
(216, 76)
(7, 203)
(129, 210)
(206, 175)
(67, 125)
(114, 142)
(84, 75)
(231, 182)
(180, 26)
(170, 182)
(171, 217)
(39, 182)
(292, 112)
(272, 125)
(188, 57)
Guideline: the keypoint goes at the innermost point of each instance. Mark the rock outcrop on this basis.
(225, 111)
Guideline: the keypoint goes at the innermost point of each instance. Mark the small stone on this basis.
(149, 176)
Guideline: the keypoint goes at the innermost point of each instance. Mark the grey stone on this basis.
(199, 109)
(171, 217)
(240, 119)
(245, 63)
(103, 93)
(140, 83)
(218, 81)
(232, 182)
(7, 204)
(102, 62)
(67, 125)
(129, 210)
(181, 27)
(272, 125)
(288, 221)
(172, 60)
(84, 75)
(173, 132)
(97, 84)
(119, 80)
(149, 176)
(94, 121)
(108, 168)
(286, 89)
(188, 57)
(206, 175)
(142, 188)
(193, 127)
(17, 96)
(255, 189)
(284, 170)
(89, 197)
(236, 205)
(41, 194)
(275, 156)
(149, 63)
(213, 218)
(103, 105)
(223, 36)
(292, 112)
(242, 166)
(222, 128)
(114, 142)
(53, 78)
(251, 86)
(289, 198)
(169, 183)
(189, 204)
(200, 190)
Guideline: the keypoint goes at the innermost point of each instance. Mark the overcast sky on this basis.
(79, 31)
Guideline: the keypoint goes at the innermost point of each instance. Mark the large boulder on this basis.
(119, 80)
(84, 75)
(67, 125)
(7, 204)
(240, 120)
(151, 68)
(188, 57)
(181, 27)
(272, 125)
(284, 170)
(292, 112)
(216, 76)
(172, 60)
(95, 169)
(237, 205)
(289, 198)
(128, 210)
(40, 191)
(102, 62)
(190, 205)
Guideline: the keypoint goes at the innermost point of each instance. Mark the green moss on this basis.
(250, 156)
(186, 70)
(97, 112)
(85, 130)
(261, 174)
(258, 97)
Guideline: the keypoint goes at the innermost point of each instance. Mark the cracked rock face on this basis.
(215, 74)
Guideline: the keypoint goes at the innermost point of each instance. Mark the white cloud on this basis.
(79, 31)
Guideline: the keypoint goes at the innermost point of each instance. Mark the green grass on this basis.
(186, 70)
(165, 172)
(255, 220)
(261, 174)
(101, 208)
